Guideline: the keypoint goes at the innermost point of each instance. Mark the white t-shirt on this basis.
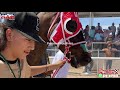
(63, 71)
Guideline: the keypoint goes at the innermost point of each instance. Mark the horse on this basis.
(79, 56)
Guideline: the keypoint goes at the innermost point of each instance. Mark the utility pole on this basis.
(91, 21)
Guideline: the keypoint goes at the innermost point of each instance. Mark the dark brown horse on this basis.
(79, 56)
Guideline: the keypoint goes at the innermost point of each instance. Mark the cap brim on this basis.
(32, 36)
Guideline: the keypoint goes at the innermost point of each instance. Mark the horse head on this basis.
(72, 46)
(70, 40)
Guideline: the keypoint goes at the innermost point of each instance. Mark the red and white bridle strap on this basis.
(78, 43)
(48, 34)
(63, 30)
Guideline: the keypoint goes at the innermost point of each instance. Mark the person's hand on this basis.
(60, 63)
(90, 53)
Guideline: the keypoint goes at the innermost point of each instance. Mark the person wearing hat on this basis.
(17, 38)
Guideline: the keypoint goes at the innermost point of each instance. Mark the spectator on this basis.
(92, 32)
(86, 31)
(113, 30)
(89, 42)
(88, 68)
(106, 34)
(98, 28)
(109, 38)
(118, 30)
(109, 51)
(98, 38)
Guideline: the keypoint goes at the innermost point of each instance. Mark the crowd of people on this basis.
(97, 34)
(103, 37)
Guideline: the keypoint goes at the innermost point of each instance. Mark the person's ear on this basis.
(9, 34)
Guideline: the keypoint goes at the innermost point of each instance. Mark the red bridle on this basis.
(57, 15)
(68, 44)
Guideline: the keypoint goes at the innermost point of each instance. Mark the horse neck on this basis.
(46, 19)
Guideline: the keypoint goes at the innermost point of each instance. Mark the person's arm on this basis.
(115, 50)
(45, 68)
(103, 49)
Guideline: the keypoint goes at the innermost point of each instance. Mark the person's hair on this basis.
(92, 27)
(3, 39)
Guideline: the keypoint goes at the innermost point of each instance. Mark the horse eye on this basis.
(71, 25)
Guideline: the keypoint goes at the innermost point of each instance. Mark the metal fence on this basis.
(96, 49)
(98, 57)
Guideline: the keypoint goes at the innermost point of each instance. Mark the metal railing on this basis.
(52, 50)
(97, 59)
(104, 58)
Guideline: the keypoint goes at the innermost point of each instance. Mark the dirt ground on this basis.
(78, 73)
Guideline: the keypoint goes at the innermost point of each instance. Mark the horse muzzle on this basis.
(84, 60)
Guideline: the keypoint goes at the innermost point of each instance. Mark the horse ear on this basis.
(71, 25)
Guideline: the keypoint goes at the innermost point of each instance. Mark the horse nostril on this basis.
(84, 60)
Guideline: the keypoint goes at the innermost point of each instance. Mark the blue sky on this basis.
(104, 21)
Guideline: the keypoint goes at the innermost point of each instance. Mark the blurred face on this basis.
(19, 44)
